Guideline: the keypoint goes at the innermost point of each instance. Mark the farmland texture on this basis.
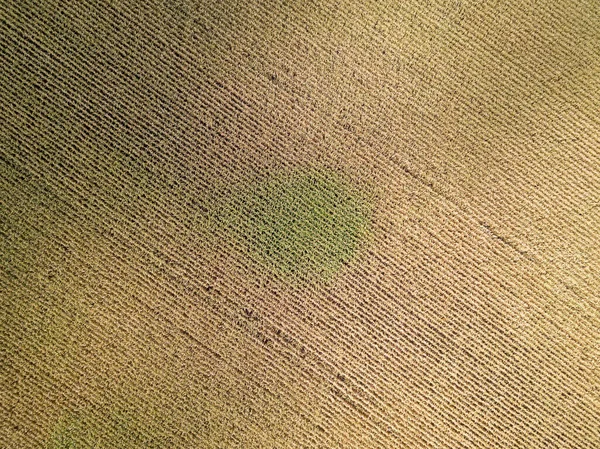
(271, 224)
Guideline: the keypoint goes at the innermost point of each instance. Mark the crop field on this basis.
(285, 224)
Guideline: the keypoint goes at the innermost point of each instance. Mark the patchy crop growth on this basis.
(301, 225)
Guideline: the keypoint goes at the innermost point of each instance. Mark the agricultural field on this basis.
(271, 224)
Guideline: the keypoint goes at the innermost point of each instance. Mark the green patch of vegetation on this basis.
(304, 225)
(105, 430)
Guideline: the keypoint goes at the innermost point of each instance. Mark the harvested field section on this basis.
(271, 224)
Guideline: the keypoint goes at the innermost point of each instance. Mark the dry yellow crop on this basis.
(287, 224)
